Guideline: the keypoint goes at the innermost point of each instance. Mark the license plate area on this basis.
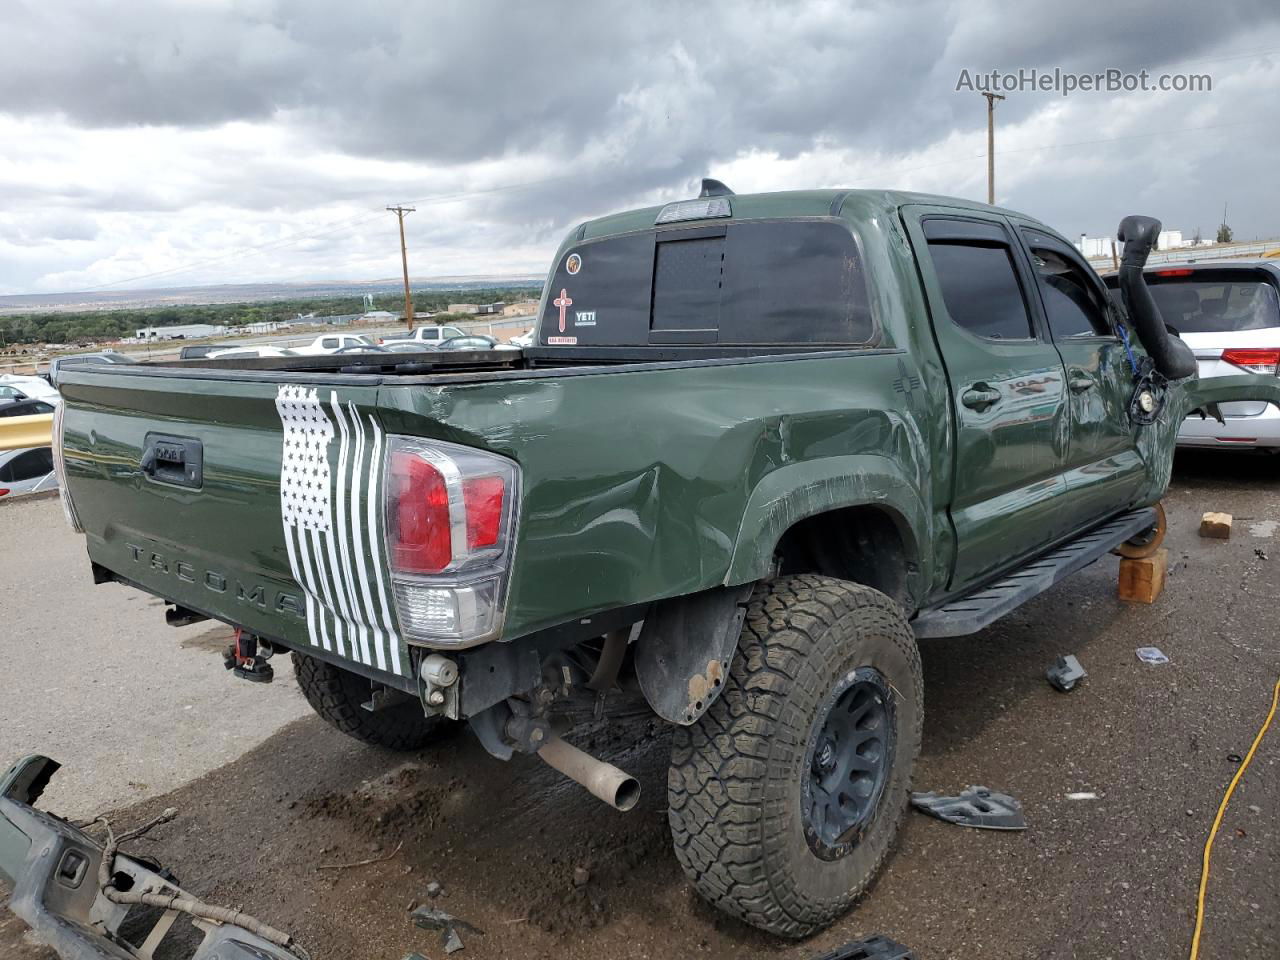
(176, 461)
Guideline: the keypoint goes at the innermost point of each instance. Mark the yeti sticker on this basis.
(584, 318)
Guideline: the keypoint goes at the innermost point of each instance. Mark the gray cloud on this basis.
(619, 101)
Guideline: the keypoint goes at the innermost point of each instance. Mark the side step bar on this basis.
(969, 614)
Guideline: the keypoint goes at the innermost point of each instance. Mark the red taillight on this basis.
(483, 498)
(420, 514)
(4, 491)
(1174, 273)
(1254, 359)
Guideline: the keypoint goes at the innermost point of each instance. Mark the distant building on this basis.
(1094, 247)
(485, 309)
(525, 308)
(188, 331)
(378, 316)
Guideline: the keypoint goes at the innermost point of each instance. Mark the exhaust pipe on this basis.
(615, 787)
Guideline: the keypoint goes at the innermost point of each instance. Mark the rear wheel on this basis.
(785, 797)
(337, 695)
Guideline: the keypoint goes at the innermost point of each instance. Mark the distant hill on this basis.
(89, 301)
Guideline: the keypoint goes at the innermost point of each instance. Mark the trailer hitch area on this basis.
(246, 659)
(52, 867)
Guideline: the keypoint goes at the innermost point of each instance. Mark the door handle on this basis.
(1080, 384)
(979, 397)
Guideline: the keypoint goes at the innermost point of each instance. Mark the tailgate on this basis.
(258, 503)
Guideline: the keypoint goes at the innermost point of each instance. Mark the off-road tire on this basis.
(337, 695)
(734, 787)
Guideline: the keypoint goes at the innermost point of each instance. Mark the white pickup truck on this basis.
(430, 335)
(332, 343)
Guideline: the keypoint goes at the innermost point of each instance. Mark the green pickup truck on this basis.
(761, 447)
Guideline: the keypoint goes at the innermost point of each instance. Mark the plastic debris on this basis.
(872, 948)
(414, 956)
(1151, 655)
(975, 807)
(429, 918)
(1082, 795)
(1065, 673)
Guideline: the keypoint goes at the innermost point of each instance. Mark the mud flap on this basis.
(683, 653)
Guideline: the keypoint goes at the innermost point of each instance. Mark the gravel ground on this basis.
(95, 678)
(1112, 877)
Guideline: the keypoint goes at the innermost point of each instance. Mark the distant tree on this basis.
(1224, 233)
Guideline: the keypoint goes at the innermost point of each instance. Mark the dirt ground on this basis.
(1113, 877)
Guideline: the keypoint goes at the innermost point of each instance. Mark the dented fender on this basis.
(799, 490)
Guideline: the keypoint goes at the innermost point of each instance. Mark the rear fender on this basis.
(799, 490)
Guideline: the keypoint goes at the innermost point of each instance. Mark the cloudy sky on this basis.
(153, 143)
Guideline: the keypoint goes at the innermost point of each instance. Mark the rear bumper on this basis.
(1238, 432)
(52, 867)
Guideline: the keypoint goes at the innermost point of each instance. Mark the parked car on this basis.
(470, 341)
(332, 343)
(84, 359)
(196, 351)
(362, 348)
(524, 339)
(429, 334)
(17, 387)
(868, 418)
(1228, 312)
(241, 353)
(28, 470)
(408, 346)
(24, 408)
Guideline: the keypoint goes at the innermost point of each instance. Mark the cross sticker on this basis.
(564, 303)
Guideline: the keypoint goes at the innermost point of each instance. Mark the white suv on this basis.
(432, 336)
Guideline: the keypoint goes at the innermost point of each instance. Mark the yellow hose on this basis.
(1217, 821)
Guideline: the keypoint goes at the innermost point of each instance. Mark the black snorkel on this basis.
(1173, 359)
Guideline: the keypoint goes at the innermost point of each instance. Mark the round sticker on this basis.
(573, 264)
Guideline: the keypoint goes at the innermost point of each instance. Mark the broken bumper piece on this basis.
(974, 807)
(52, 868)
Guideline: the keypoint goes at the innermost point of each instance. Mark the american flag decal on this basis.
(330, 503)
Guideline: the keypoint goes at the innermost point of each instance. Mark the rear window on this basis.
(759, 282)
(1208, 301)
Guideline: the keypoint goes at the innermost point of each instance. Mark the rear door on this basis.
(1103, 471)
(1007, 389)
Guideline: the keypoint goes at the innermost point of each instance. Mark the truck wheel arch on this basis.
(865, 506)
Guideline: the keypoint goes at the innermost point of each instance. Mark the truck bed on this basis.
(641, 471)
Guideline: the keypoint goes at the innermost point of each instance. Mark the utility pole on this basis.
(991, 145)
(400, 211)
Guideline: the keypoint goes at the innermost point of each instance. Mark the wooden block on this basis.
(1142, 580)
(1216, 525)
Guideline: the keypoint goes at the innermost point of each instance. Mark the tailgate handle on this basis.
(178, 461)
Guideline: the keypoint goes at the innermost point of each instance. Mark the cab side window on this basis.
(980, 287)
(1073, 305)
